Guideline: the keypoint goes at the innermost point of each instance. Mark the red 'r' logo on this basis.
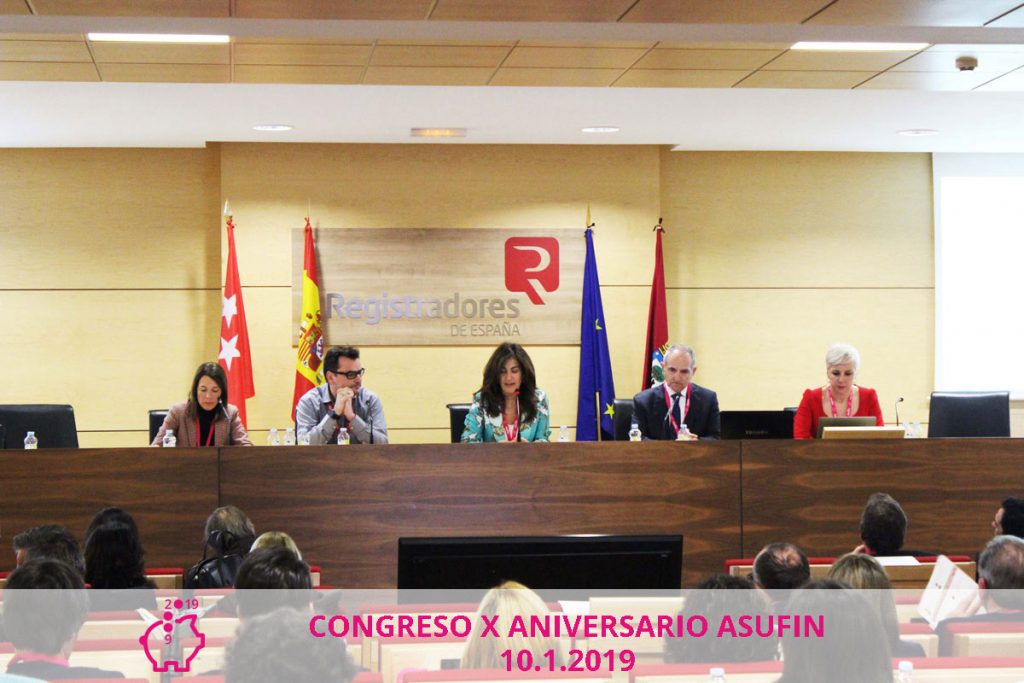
(531, 266)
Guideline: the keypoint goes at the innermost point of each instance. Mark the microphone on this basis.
(897, 407)
(223, 408)
(519, 431)
(370, 415)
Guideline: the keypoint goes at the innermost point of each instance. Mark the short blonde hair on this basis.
(864, 572)
(275, 539)
(507, 601)
(841, 354)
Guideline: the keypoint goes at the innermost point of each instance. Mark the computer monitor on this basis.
(582, 562)
(845, 422)
(757, 424)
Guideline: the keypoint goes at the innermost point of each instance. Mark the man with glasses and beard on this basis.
(341, 402)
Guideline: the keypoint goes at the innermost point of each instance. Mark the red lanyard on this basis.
(511, 431)
(209, 439)
(849, 403)
(686, 406)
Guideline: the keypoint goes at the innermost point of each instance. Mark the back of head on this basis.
(229, 531)
(883, 524)
(52, 542)
(716, 598)
(1013, 517)
(277, 647)
(114, 558)
(852, 648)
(863, 572)
(108, 515)
(272, 578)
(275, 539)
(781, 566)
(44, 606)
(508, 601)
(1001, 565)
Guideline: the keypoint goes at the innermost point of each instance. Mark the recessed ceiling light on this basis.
(157, 38)
(600, 129)
(859, 47)
(272, 127)
(437, 132)
(917, 132)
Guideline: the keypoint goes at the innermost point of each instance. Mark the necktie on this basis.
(675, 410)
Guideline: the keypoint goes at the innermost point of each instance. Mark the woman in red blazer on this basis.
(840, 397)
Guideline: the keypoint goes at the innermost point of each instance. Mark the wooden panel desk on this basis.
(813, 492)
(169, 493)
(347, 509)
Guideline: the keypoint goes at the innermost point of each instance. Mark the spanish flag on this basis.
(308, 366)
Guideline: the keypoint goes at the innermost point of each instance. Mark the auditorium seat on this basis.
(398, 654)
(969, 414)
(54, 425)
(923, 635)
(370, 650)
(993, 639)
(502, 676)
(623, 418)
(926, 670)
(156, 420)
(166, 577)
(457, 413)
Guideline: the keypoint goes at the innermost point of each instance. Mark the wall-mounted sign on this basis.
(417, 287)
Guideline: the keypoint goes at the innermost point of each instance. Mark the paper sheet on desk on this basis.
(898, 561)
(948, 592)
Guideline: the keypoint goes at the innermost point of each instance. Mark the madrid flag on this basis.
(657, 321)
(309, 364)
(234, 335)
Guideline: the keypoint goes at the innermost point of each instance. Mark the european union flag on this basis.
(597, 390)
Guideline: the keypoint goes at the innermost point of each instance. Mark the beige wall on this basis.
(769, 258)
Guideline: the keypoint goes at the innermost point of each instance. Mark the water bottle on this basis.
(905, 672)
(684, 433)
(563, 434)
(289, 437)
(634, 432)
(918, 434)
(304, 439)
(716, 675)
(31, 442)
(170, 441)
(342, 437)
(272, 438)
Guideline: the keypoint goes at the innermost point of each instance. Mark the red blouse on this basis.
(810, 411)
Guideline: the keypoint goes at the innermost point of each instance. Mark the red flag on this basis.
(234, 335)
(308, 370)
(657, 320)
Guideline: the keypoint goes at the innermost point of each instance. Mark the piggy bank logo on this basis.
(531, 266)
(171, 636)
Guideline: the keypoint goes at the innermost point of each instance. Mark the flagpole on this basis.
(597, 409)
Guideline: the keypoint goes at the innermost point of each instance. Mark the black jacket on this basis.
(651, 414)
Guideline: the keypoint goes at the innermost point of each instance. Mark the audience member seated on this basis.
(840, 397)
(778, 569)
(507, 601)
(883, 527)
(714, 598)
(1009, 519)
(864, 572)
(51, 542)
(272, 578)
(508, 406)
(43, 624)
(853, 647)
(229, 534)
(206, 418)
(115, 566)
(277, 647)
(275, 539)
(1000, 587)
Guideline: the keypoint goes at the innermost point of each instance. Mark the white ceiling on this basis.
(68, 114)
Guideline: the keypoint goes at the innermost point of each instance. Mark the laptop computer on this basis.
(845, 422)
(757, 424)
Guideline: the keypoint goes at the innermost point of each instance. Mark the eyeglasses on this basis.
(352, 374)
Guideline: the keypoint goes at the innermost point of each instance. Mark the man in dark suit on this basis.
(661, 411)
